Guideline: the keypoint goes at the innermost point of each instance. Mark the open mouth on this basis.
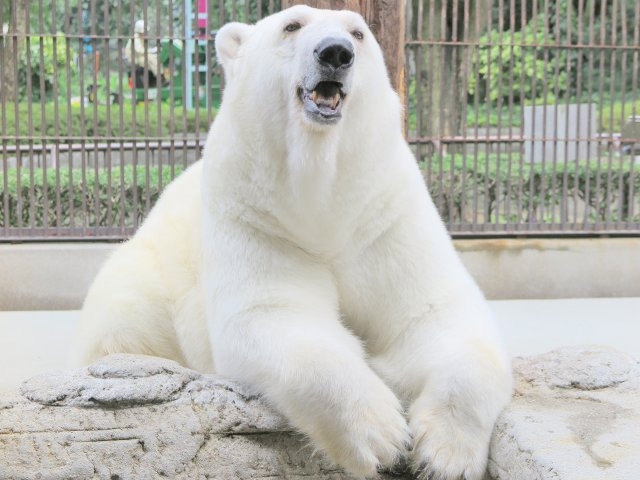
(324, 102)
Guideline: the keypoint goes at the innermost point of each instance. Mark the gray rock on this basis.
(137, 417)
(575, 415)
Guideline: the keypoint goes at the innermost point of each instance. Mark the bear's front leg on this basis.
(454, 377)
(465, 382)
(431, 336)
(273, 316)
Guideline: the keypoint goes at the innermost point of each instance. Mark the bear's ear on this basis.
(229, 41)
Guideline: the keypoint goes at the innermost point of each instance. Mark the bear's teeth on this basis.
(314, 96)
(336, 99)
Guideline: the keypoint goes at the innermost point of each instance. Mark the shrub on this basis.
(535, 193)
(105, 198)
(512, 68)
(44, 63)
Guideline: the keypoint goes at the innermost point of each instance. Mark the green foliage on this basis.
(96, 199)
(613, 115)
(43, 64)
(536, 193)
(509, 68)
(539, 48)
(97, 122)
(121, 196)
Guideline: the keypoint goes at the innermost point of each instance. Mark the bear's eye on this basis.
(357, 34)
(292, 27)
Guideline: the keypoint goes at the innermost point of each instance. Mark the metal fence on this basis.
(524, 115)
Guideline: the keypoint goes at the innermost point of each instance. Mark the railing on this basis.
(524, 116)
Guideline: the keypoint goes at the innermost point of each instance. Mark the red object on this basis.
(202, 17)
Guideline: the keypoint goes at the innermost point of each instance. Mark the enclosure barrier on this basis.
(524, 116)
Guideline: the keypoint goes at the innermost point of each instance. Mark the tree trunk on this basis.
(442, 69)
(10, 49)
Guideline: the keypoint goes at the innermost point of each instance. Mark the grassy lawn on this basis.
(93, 121)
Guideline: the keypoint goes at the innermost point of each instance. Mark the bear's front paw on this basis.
(448, 444)
(373, 433)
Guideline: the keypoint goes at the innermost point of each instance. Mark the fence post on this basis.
(386, 20)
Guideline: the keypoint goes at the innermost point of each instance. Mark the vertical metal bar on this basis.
(3, 122)
(96, 129)
(103, 200)
(160, 133)
(69, 122)
(451, 174)
(557, 204)
(581, 40)
(464, 171)
(622, 207)
(509, 227)
(42, 35)
(598, 184)
(495, 221)
(147, 103)
(6, 227)
(545, 132)
(440, 46)
(476, 108)
(172, 100)
(120, 227)
(419, 59)
(6, 222)
(531, 225)
(522, 215)
(83, 129)
(609, 194)
(17, 120)
(587, 167)
(5, 144)
(486, 187)
(634, 94)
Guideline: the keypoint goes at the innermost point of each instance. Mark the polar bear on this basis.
(304, 257)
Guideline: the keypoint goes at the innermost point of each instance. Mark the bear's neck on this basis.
(311, 164)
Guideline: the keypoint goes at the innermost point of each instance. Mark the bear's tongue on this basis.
(326, 95)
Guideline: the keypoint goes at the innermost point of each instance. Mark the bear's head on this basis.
(304, 65)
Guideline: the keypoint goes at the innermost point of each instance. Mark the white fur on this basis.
(313, 266)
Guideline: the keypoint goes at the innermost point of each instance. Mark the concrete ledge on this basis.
(48, 276)
(575, 415)
(56, 276)
(509, 269)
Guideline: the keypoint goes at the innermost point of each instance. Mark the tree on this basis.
(442, 68)
(16, 16)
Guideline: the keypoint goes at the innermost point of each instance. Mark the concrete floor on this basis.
(38, 341)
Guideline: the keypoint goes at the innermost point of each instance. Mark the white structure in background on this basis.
(560, 132)
(195, 37)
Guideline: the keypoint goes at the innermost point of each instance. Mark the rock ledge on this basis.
(575, 415)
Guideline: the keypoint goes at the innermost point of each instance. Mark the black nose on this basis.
(336, 52)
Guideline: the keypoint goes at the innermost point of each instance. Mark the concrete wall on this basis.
(56, 276)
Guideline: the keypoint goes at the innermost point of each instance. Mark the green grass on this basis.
(100, 122)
